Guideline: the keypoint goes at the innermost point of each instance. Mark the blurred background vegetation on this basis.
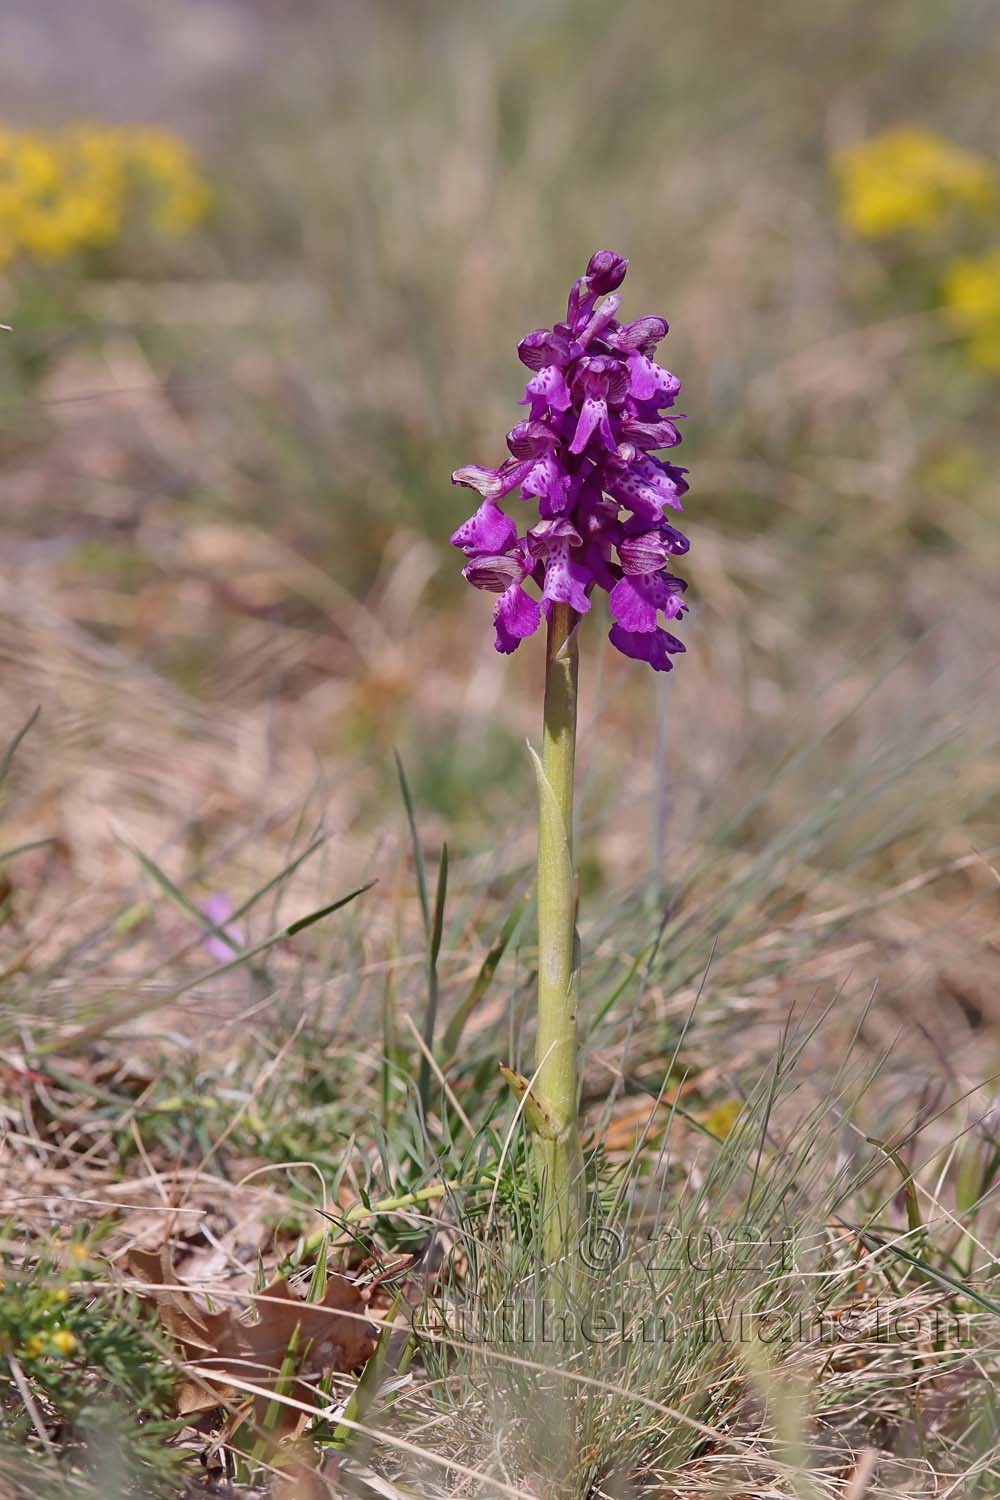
(266, 265)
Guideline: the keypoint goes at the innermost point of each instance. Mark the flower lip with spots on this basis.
(596, 401)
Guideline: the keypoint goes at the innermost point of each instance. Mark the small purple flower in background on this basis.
(218, 909)
(596, 399)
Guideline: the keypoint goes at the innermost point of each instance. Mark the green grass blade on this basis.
(430, 1020)
(177, 896)
(364, 1393)
(23, 848)
(317, 1282)
(932, 1273)
(325, 911)
(129, 1012)
(418, 858)
(276, 880)
(15, 743)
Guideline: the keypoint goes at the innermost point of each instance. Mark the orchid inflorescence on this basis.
(596, 399)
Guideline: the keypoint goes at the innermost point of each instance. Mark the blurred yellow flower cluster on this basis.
(909, 179)
(82, 187)
(971, 295)
(59, 1342)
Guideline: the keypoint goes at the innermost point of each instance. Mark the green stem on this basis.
(558, 1154)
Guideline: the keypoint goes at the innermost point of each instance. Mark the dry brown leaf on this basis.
(199, 1332)
(332, 1334)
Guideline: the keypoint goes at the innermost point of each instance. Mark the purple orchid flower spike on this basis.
(586, 454)
(596, 417)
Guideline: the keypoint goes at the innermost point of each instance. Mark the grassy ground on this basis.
(226, 586)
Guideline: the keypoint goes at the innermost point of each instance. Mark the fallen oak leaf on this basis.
(197, 1333)
(332, 1334)
(191, 1325)
(293, 1344)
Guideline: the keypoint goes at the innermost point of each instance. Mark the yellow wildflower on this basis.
(970, 294)
(32, 1347)
(64, 1341)
(36, 165)
(971, 289)
(908, 178)
(956, 471)
(84, 187)
(723, 1117)
(182, 197)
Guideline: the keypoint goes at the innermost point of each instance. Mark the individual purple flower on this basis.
(637, 600)
(566, 577)
(227, 941)
(596, 400)
(654, 646)
(487, 530)
(492, 484)
(516, 614)
(605, 271)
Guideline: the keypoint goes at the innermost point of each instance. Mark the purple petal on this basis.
(486, 481)
(666, 479)
(547, 388)
(606, 270)
(548, 483)
(566, 580)
(636, 599)
(593, 418)
(661, 434)
(515, 616)
(595, 556)
(545, 346)
(596, 515)
(531, 440)
(218, 908)
(673, 605)
(654, 646)
(645, 553)
(492, 484)
(645, 486)
(644, 334)
(679, 543)
(648, 380)
(602, 375)
(599, 320)
(631, 608)
(487, 532)
(675, 541)
(554, 532)
(597, 521)
(580, 305)
(632, 491)
(494, 574)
